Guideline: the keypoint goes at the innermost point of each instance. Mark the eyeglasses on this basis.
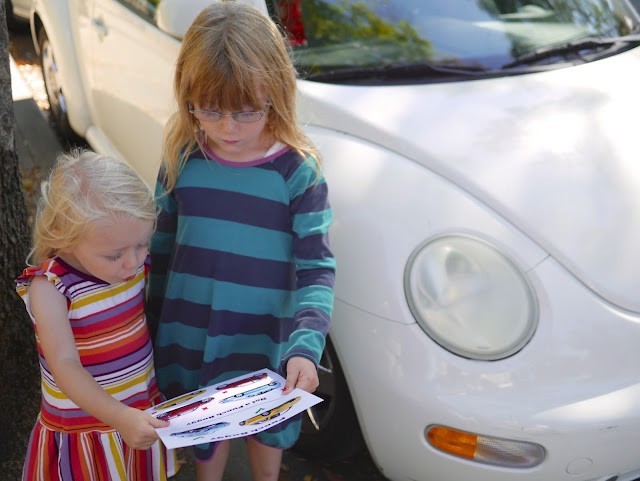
(241, 117)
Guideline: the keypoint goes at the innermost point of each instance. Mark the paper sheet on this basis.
(238, 407)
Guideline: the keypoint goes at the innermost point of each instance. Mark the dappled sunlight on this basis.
(560, 132)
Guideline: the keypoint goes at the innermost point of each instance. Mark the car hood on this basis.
(555, 153)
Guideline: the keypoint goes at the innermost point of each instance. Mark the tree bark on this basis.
(19, 372)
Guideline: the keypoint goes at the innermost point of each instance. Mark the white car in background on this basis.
(17, 11)
(484, 173)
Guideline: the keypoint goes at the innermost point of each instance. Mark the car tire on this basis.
(330, 429)
(55, 95)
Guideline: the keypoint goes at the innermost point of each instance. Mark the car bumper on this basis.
(574, 389)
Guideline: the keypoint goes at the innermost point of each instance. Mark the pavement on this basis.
(36, 143)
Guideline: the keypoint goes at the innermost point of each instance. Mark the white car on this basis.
(484, 172)
(17, 10)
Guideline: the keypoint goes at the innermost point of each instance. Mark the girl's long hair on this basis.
(229, 50)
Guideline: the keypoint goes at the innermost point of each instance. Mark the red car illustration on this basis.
(179, 399)
(187, 408)
(241, 382)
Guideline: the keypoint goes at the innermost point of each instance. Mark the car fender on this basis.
(53, 16)
(372, 246)
(20, 8)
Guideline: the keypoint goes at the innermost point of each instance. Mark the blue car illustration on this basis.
(241, 382)
(200, 431)
(256, 391)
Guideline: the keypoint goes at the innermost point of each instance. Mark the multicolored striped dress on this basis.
(241, 273)
(114, 345)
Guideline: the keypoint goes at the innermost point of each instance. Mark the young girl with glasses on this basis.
(85, 298)
(242, 274)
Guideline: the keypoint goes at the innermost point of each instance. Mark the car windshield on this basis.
(378, 40)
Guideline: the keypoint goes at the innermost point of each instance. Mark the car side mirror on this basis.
(175, 16)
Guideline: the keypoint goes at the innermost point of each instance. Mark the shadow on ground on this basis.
(294, 467)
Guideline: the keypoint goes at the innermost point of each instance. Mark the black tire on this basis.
(330, 429)
(55, 95)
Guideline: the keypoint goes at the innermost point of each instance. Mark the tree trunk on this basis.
(19, 373)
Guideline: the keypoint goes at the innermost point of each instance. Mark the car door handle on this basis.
(101, 28)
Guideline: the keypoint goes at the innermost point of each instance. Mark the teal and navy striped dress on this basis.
(241, 273)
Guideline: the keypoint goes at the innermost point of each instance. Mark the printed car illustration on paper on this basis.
(271, 413)
(256, 391)
(242, 382)
(202, 430)
(187, 408)
(177, 400)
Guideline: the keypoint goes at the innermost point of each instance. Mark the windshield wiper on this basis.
(600, 45)
(397, 71)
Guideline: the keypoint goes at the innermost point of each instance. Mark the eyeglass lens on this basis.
(214, 116)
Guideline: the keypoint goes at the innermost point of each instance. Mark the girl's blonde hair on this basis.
(84, 188)
(228, 51)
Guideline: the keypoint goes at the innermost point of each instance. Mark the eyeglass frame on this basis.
(233, 115)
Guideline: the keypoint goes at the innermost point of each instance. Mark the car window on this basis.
(334, 35)
(145, 8)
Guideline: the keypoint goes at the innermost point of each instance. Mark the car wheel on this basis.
(330, 429)
(55, 95)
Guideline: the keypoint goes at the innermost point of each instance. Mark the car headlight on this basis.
(470, 298)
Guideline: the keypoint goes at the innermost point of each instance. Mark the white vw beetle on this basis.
(485, 177)
(17, 10)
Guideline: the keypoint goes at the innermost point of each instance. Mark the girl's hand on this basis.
(302, 373)
(137, 428)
